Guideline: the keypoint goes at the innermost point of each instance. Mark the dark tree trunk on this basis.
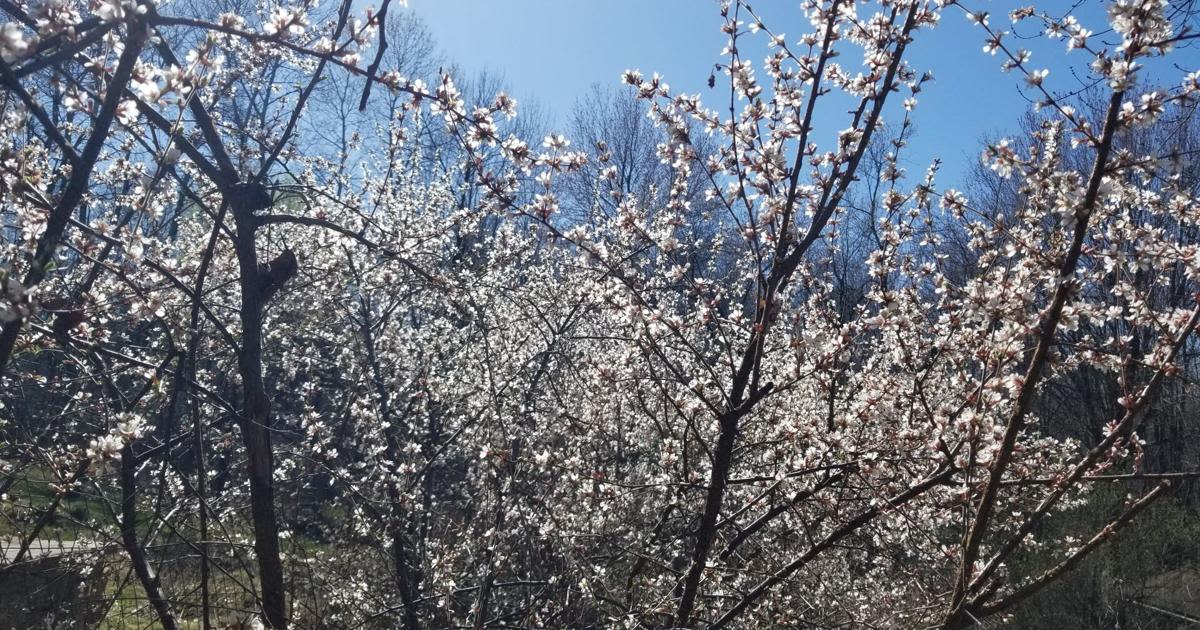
(256, 411)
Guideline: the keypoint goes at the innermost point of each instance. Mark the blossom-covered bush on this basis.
(526, 392)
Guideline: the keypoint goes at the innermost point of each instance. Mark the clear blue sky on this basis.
(552, 51)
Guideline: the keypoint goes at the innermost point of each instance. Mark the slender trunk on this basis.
(201, 485)
(722, 461)
(404, 579)
(405, 582)
(189, 371)
(956, 614)
(129, 540)
(256, 414)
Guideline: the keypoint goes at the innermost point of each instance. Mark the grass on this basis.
(29, 497)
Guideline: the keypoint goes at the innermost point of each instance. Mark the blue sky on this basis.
(552, 51)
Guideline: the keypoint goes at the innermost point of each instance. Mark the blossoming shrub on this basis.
(341, 389)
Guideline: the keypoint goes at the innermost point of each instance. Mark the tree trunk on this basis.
(256, 413)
